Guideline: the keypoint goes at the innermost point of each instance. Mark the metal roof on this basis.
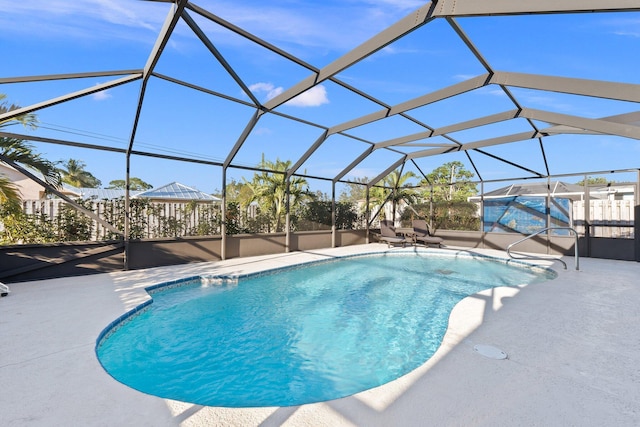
(104, 193)
(556, 188)
(176, 191)
(471, 139)
(173, 191)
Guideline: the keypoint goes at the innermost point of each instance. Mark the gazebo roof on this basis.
(176, 191)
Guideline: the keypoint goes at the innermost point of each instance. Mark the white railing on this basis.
(577, 261)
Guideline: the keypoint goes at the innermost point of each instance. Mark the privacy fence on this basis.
(607, 218)
(54, 220)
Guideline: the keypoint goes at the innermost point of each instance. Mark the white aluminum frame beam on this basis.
(628, 118)
(602, 126)
(214, 51)
(74, 95)
(374, 44)
(529, 7)
(456, 127)
(420, 101)
(67, 76)
(594, 88)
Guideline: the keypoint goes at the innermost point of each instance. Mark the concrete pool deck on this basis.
(573, 348)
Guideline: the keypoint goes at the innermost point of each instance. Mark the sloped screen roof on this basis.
(512, 89)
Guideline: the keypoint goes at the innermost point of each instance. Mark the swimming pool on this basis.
(296, 335)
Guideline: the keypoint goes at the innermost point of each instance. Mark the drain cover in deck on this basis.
(489, 351)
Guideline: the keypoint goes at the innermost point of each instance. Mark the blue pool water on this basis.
(298, 335)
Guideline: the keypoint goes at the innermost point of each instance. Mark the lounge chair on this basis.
(421, 234)
(388, 234)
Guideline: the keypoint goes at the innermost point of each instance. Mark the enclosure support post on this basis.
(287, 239)
(587, 217)
(367, 213)
(393, 206)
(431, 207)
(333, 214)
(548, 215)
(223, 214)
(636, 218)
(482, 239)
(127, 209)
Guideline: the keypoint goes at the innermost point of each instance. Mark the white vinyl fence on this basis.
(609, 218)
(148, 219)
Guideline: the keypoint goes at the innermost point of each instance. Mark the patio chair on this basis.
(388, 234)
(421, 234)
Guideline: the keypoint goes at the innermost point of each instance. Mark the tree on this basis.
(599, 180)
(447, 194)
(9, 195)
(394, 190)
(74, 173)
(268, 189)
(237, 191)
(451, 182)
(22, 153)
(316, 215)
(27, 120)
(355, 191)
(135, 184)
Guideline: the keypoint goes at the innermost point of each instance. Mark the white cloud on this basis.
(123, 14)
(318, 27)
(547, 102)
(634, 34)
(624, 27)
(262, 131)
(86, 19)
(101, 96)
(494, 92)
(363, 173)
(267, 89)
(322, 26)
(314, 97)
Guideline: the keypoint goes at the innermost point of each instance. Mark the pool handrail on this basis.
(577, 261)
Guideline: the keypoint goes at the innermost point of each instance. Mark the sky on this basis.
(46, 37)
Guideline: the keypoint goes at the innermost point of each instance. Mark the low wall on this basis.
(159, 252)
(32, 262)
(594, 247)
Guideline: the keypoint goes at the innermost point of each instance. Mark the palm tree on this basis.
(22, 153)
(269, 190)
(394, 189)
(27, 120)
(9, 195)
(74, 173)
